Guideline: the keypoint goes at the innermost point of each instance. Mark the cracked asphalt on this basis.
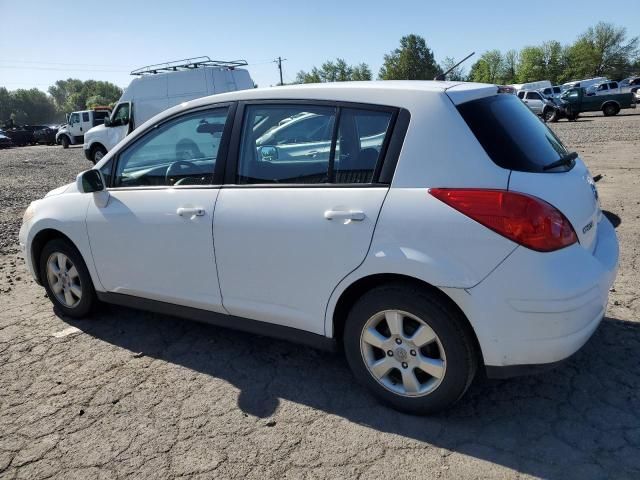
(129, 393)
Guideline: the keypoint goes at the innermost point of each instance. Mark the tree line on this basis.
(602, 50)
(34, 106)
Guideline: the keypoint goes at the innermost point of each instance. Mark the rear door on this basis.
(288, 228)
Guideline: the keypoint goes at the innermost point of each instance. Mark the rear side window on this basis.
(513, 136)
(300, 144)
(85, 116)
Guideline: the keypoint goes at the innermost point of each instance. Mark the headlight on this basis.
(29, 213)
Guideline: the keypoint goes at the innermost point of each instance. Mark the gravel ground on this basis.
(131, 393)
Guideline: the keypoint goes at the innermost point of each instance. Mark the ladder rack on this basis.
(188, 64)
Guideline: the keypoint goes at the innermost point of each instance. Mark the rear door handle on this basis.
(355, 215)
(190, 212)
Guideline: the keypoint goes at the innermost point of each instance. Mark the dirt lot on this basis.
(130, 393)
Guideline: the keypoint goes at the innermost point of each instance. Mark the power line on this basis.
(64, 69)
(66, 64)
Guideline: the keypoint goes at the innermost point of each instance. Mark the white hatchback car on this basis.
(428, 228)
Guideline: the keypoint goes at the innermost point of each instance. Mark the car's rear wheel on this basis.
(610, 109)
(550, 115)
(66, 279)
(409, 348)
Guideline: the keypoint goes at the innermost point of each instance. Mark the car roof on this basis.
(394, 93)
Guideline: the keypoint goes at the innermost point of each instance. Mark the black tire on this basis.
(447, 323)
(64, 141)
(610, 109)
(97, 150)
(88, 296)
(549, 115)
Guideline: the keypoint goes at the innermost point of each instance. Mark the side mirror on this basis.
(268, 153)
(90, 181)
(107, 122)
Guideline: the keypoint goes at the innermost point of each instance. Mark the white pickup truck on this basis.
(78, 124)
(158, 87)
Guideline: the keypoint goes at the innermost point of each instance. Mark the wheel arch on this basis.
(359, 287)
(610, 102)
(41, 238)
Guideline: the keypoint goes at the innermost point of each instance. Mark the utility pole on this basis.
(279, 61)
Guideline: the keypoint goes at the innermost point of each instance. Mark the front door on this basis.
(120, 124)
(75, 125)
(291, 226)
(153, 238)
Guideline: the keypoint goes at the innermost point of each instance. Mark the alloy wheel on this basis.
(403, 353)
(64, 279)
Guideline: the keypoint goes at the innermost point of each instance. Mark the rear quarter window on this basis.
(513, 136)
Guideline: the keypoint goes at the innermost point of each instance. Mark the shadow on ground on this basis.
(578, 421)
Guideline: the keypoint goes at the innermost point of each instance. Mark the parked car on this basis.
(552, 92)
(578, 101)
(430, 229)
(5, 141)
(539, 104)
(78, 124)
(586, 83)
(604, 88)
(158, 87)
(20, 136)
(46, 135)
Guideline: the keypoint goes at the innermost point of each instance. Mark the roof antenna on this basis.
(442, 76)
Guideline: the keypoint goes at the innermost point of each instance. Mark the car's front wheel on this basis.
(66, 279)
(410, 348)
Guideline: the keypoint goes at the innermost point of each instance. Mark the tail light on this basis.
(525, 219)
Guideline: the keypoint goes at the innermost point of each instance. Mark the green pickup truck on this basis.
(575, 101)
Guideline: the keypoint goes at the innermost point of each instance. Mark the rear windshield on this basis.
(100, 114)
(511, 134)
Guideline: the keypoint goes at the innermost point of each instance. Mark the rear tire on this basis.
(430, 334)
(64, 141)
(66, 279)
(610, 110)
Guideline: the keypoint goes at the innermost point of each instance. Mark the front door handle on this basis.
(355, 215)
(190, 212)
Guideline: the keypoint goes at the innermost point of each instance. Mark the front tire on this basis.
(410, 348)
(66, 279)
(64, 141)
(97, 153)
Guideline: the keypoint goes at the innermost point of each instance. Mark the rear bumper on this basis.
(536, 309)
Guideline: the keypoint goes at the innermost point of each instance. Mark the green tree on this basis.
(72, 94)
(412, 61)
(457, 74)
(530, 65)
(509, 67)
(26, 106)
(603, 50)
(338, 71)
(489, 68)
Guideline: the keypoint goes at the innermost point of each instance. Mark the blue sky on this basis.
(42, 42)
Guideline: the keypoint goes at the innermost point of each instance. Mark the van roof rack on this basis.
(188, 64)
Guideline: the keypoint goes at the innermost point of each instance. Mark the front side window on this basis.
(293, 144)
(182, 151)
(121, 115)
(75, 118)
(602, 87)
(106, 172)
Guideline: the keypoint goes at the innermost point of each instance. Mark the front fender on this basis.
(65, 213)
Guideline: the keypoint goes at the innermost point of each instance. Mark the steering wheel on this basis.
(177, 167)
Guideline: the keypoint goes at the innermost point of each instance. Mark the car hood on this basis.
(69, 188)
(93, 131)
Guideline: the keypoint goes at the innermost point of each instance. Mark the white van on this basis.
(539, 85)
(161, 86)
(586, 83)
